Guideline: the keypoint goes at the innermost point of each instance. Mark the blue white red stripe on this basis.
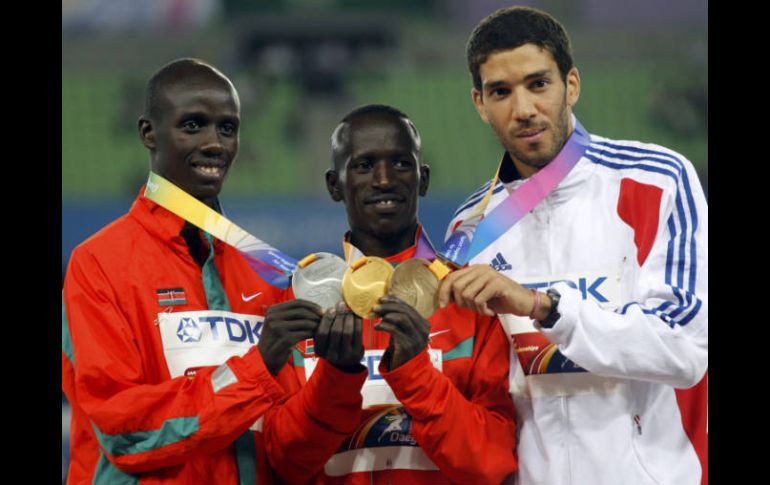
(477, 196)
(682, 224)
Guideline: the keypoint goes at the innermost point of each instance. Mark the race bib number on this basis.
(204, 338)
(376, 390)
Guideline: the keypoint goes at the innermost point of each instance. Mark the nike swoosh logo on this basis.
(249, 298)
(430, 335)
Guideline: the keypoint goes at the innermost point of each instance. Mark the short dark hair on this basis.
(178, 71)
(338, 136)
(512, 27)
(374, 109)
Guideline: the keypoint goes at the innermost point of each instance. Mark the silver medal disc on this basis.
(321, 280)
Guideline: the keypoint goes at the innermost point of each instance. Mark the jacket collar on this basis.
(352, 253)
(164, 224)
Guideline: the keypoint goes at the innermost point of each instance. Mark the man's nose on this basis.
(212, 143)
(523, 106)
(382, 175)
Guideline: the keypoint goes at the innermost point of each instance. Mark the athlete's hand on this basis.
(485, 291)
(285, 325)
(408, 330)
(338, 338)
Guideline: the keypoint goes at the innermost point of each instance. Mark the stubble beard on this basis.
(540, 160)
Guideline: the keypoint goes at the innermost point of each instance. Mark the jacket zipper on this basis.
(567, 441)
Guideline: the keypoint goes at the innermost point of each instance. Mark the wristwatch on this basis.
(553, 314)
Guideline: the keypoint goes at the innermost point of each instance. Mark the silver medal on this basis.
(320, 279)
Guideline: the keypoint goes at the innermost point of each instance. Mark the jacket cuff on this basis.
(250, 368)
(412, 383)
(332, 393)
(569, 310)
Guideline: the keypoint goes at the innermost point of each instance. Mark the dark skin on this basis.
(287, 324)
(378, 175)
(193, 141)
(338, 338)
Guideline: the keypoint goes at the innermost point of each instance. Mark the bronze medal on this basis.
(364, 283)
(318, 278)
(413, 282)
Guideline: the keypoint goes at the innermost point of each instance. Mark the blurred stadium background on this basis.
(300, 65)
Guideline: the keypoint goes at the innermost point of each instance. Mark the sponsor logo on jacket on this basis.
(591, 286)
(220, 328)
(391, 426)
(203, 338)
(499, 263)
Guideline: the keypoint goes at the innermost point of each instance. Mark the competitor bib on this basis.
(376, 390)
(203, 338)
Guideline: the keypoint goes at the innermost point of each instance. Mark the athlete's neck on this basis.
(374, 245)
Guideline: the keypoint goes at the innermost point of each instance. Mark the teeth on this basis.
(209, 170)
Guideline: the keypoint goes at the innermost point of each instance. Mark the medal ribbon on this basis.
(269, 263)
(424, 249)
(478, 232)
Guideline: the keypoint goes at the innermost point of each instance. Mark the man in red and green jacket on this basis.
(436, 407)
(160, 322)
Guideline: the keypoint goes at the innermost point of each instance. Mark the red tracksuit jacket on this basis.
(452, 426)
(160, 386)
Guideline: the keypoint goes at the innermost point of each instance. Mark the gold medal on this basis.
(364, 283)
(416, 284)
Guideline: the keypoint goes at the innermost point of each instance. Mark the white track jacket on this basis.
(615, 392)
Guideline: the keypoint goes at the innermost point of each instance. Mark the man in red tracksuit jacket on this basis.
(159, 321)
(436, 407)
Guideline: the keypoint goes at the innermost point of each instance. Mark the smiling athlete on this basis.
(160, 321)
(435, 403)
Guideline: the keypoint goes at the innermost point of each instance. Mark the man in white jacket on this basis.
(598, 271)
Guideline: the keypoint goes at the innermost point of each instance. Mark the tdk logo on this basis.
(586, 287)
(188, 330)
(222, 328)
(499, 263)
(372, 363)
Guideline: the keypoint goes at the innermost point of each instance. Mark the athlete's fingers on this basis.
(294, 314)
(321, 339)
(297, 304)
(335, 337)
(357, 344)
(291, 325)
(393, 329)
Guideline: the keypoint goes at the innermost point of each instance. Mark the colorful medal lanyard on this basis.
(477, 232)
(424, 249)
(269, 263)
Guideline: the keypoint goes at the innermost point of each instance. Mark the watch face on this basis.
(553, 314)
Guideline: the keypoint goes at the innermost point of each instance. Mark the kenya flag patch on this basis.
(171, 296)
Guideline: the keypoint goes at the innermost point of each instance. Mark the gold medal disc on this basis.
(416, 285)
(364, 283)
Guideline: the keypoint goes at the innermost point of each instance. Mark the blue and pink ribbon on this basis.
(469, 240)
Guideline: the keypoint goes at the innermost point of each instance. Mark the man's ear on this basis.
(424, 179)
(146, 132)
(333, 185)
(478, 103)
(573, 87)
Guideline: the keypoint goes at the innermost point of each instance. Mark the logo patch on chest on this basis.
(204, 338)
(171, 296)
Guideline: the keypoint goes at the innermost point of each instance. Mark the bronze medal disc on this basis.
(320, 279)
(416, 285)
(364, 283)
